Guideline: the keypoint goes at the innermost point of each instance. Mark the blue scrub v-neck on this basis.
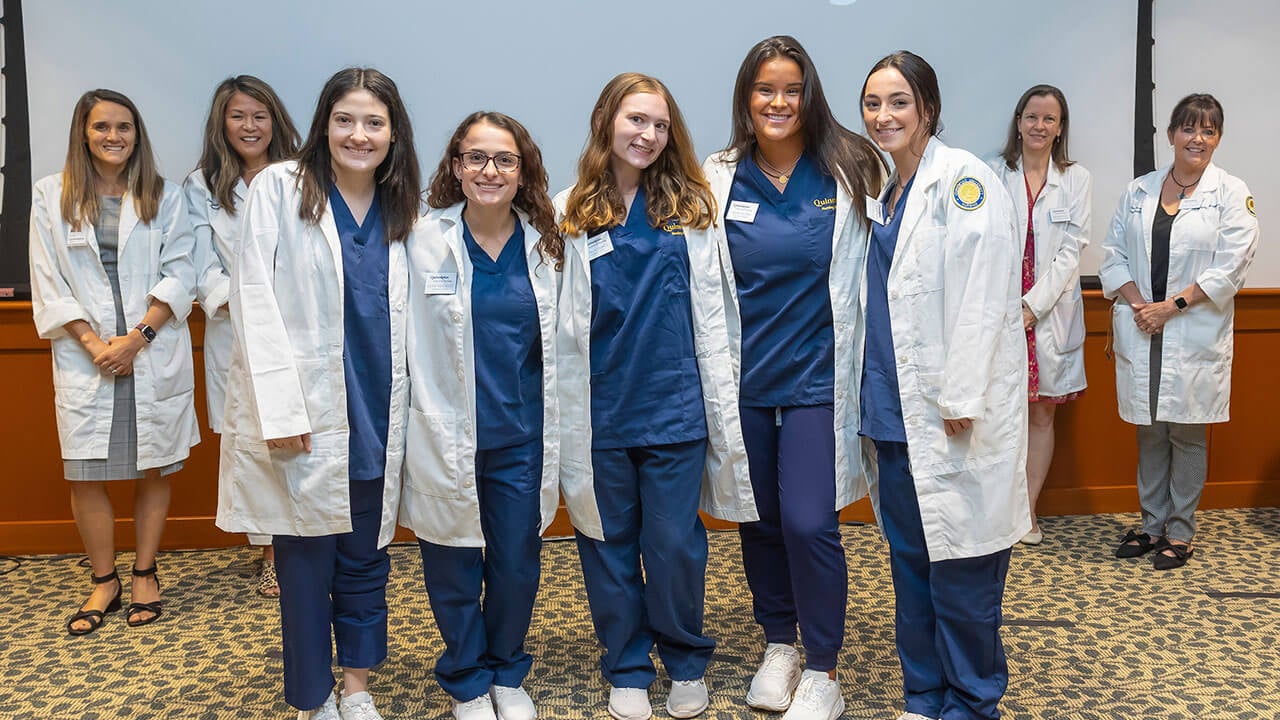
(881, 401)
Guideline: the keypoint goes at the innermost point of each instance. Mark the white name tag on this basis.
(77, 238)
(599, 245)
(875, 211)
(440, 283)
(1059, 215)
(1191, 203)
(742, 211)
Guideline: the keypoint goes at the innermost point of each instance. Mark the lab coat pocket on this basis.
(310, 476)
(924, 261)
(1066, 320)
(319, 387)
(1129, 344)
(431, 455)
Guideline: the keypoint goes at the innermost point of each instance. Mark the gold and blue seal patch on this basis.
(968, 193)
(1248, 205)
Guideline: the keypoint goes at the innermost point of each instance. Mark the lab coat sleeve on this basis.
(1114, 272)
(1044, 295)
(259, 325)
(981, 286)
(1237, 242)
(213, 282)
(177, 285)
(52, 302)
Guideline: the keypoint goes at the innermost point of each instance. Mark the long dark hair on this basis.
(923, 82)
(219, 163)
(399, 182)
(1195, 109)
(838, 151)
(1012, 152)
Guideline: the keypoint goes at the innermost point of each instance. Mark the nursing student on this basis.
(943, 396)
(482, 468)
(247, 129)
(643, 364)
(792, 186)
(317, 391)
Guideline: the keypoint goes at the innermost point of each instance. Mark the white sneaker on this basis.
(913, 716)
(776, 679)
(1033, 537)
(630, 703)
(480, 708)
(688, 698)
(817, 698)
(512, 703)
(358, 707)
(327, 711)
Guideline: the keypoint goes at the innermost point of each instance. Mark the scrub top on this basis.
(881, 402)
(645, 388)
(781, 264)
(366, 340)
(508, 344)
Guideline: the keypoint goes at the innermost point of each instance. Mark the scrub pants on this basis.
(948, 612)
(792, 556)
(484, 643)
(1173, 462)
(648, 501)
(333, 581)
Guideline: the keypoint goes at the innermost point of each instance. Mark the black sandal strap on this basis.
(115, 575)
(144, 573)
(136, 608)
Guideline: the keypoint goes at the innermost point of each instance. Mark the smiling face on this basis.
(360, 133)
(892, 115)
(775, 100)
(1193, 146)
(111, 136)
(487, 187)
(247, 126)
(1040, 123)
(640, 132)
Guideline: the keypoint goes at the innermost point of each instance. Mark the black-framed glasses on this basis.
(476, 161)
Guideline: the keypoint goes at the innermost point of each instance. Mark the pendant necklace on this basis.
(1182, 189)
(782, 176)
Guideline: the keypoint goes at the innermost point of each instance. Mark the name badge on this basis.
(77, 238)
(440, 283)
(599, 245)
(875, 211)
(1191, 203)
(1059, 215)
(742, 211)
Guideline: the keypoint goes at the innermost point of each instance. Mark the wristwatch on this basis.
(1178, 302)
(148, 333)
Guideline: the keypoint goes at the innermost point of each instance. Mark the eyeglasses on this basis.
(476, 161)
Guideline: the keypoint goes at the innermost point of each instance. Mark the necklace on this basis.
(1182, 191)
(782, 176)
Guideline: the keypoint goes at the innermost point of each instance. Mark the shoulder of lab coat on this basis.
(1237, 237)
(53, 304)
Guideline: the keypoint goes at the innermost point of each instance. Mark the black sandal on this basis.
(95, 617)
(1181, 553)
(1142, 544)
(137, 608)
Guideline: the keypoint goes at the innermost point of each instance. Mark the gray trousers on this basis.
(1173, 461)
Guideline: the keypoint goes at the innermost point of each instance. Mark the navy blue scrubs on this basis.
(340, 581)
(648, 450)
(792, 556)
(484, 644)
(947, 617)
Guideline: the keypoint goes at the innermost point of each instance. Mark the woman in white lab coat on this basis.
(1179, 247)
(943, 395)
(112, 282)
(247, 129)
(318, 387)
(791, 188)
(1052, 199)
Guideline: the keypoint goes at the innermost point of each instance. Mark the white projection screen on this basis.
(544, 62)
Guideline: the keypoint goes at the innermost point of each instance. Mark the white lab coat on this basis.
(217, 235)
(848, 254)
(955, 305)
(68, 283)
(440, 501)
(286, 375)
(1211, 243)
(1063, 217)
(726, 486)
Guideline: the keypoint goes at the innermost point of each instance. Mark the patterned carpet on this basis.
(1088, 636)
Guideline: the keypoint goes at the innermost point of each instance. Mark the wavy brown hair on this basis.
(398, 178)
(674, 185)
(79, 176)
(220, 165)
(531, 197)
(1012, 152)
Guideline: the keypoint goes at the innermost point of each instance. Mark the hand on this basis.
(93, 344)
(293, 443)
(1028, 318)
(1151, 317)
(955, 427)
(117, 357)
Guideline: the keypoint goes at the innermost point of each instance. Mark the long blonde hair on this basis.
(674, 185)
(79, 189)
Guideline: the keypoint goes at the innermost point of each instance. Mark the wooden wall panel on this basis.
(1093, 469)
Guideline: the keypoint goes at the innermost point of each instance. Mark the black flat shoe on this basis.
(92, 616)
(1137, 544)
(1181, 553)
(137, 608)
